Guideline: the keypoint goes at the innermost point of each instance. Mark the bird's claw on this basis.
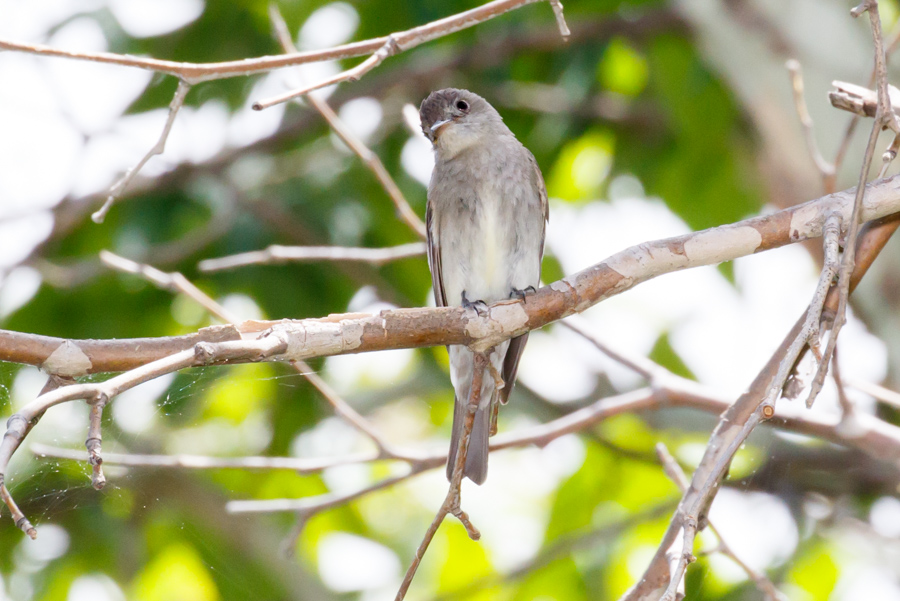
(479, 306)
(521, 294)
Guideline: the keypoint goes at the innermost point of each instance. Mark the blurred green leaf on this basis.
(582, 167)
(557, 581)
(665, 355)
(576, 498)
(466, 563)
(623, 69)
(702, 163)
(815, 571)
(245, 389)
(629, 432)
(551, 270)
(631, 556)
(176, 573)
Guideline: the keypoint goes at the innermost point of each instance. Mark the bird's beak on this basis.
(435, 128)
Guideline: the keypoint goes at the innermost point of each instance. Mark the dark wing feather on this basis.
(517, 345)
(545, 203)
(434, 257)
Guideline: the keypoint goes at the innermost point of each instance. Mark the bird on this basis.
(486, 219)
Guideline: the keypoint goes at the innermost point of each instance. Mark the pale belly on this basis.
(482, 259)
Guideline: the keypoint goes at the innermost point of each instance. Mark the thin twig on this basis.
(810, 331)
(642, 366)
(825, 168)
(93, 442)
(309, 507)
(854, 120)
(830, 266)
(195, 73)
(451, 504)
(18, 517)
(117, 188)
(847, 409)
(880, 393)
(676, 474)
(560, 19)
(348, 413)
(389, 48)
(275, 254)
(889, 155)
(883, 117)
(369, 158)
(173, 282)
(540, 435)
(202, 462)
(884, 100)
(872, 239)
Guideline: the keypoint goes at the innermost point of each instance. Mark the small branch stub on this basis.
(859, 9)
(18, 517)
(94, 441)
(560, 19)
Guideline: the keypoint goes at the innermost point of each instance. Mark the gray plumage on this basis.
(486, 217)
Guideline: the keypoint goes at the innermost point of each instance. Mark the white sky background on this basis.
(62, 131)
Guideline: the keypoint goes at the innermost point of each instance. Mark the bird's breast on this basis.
(493, 251)
(476, 247)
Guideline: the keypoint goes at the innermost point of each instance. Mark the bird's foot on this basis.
(521, 294)
(479, 306)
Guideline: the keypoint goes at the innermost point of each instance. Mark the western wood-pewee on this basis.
(486, 217)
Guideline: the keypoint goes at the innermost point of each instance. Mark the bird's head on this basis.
(456, 119)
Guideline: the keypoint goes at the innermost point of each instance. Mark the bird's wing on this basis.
(545, 203)
(517, 345)
(434, 256)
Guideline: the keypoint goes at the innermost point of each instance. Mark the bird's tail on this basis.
(477, 454)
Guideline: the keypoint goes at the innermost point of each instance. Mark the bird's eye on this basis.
(462, 105)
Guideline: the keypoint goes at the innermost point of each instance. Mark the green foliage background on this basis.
(164, 534)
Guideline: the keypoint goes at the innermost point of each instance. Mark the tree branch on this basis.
(407, 328)
(402, 41)
(738, 421)
(275, 254)
(194, 73)
(419, 327)
(884, 117)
